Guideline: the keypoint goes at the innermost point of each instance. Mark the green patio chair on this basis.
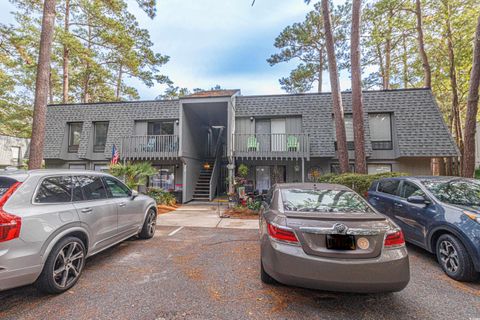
(293, 144)
(252, 144)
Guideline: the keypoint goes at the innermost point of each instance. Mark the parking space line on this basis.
(174, 231)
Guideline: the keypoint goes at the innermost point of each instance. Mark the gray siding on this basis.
(121, 118)
(419, 129)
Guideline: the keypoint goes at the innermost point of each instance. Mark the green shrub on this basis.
(254, 205)
(134, 174)
(243, 170)
(358, 182)
(162, 197)
(477, 173)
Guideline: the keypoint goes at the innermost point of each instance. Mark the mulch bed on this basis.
(162, 208)
(241, 213)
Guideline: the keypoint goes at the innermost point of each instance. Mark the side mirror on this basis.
(134, 194)
(418, 200)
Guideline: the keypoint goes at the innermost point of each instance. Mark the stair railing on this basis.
(216, 166)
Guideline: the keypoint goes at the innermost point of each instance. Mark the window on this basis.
(5, 184)
(388, 186)
(55, 190)
(380, 131)
(102, 167)
(378, 168)
(100, 136)
(89, 188)
(330, 201)
(348, 119)
(116, 188)
(409, 189)
(455, 191)
(16, 155)
(79, 166)
(156, 128)
(335, 168)
(165, 178)
(74, 134)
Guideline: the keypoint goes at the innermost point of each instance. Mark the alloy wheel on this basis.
(151, 222)
(68, 264)
(449, 256)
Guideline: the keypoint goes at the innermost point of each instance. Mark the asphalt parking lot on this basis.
(204, 273)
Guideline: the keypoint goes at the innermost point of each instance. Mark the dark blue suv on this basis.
(439, 214)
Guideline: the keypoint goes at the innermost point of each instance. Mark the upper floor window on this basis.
(348, 119)
(16, 155)
(380, 131)
(100, 136)
(156, 128)
(74, 133)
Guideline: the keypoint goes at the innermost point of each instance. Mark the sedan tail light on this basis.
(281, 234)
(394, 239)
(9, 224)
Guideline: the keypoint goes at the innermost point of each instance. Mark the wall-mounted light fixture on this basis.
(251, 118)
(177, 122)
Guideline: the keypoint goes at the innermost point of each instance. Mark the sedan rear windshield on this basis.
(457, 192)
(324, 201)
(5, 184)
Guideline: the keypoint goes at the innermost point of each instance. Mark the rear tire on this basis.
(454, 259)
(264, 276)
(63, 267)
(148, 228)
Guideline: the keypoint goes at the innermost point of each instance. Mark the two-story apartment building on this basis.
(197, 141)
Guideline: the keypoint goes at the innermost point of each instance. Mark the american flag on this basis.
(115, 155)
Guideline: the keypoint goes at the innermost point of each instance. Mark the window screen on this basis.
(380, 128)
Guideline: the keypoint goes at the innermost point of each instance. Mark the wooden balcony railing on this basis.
(149, 147)
(272, 145)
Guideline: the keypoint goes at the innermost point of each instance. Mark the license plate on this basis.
(340, 242)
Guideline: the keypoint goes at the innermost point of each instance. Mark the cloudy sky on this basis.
(220, 42)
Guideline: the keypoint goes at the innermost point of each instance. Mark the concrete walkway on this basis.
(203, 215)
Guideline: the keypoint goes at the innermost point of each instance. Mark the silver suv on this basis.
(52, 220)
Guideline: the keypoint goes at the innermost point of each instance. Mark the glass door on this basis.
(278, 135)
(262, 178)
(262, 130)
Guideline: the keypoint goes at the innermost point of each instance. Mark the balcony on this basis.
(272, 145)
(149, 147)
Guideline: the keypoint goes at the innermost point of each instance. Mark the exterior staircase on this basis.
(202, 188)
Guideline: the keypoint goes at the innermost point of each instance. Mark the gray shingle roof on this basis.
(418, 131)
(419, 128)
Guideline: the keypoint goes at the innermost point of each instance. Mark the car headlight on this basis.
(473, 216)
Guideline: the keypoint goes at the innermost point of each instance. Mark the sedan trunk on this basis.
(339, 235)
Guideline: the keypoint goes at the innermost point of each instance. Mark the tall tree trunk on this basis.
(50, 87)
(66, 53)
(320, 72)
(41, 86)
(357, 103)
(472, 109)
(386, 76)
(119, 82)
(453, 82)
(336, 94)
(86, 84)
(404, 60)
(427, 71)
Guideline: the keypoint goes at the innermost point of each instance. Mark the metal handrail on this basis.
(149, 147)
(216, 166)
(265, 145)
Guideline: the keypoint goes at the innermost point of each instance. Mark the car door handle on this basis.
(398, 205)
(87, 210)
(376, 198)
(122, 204)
